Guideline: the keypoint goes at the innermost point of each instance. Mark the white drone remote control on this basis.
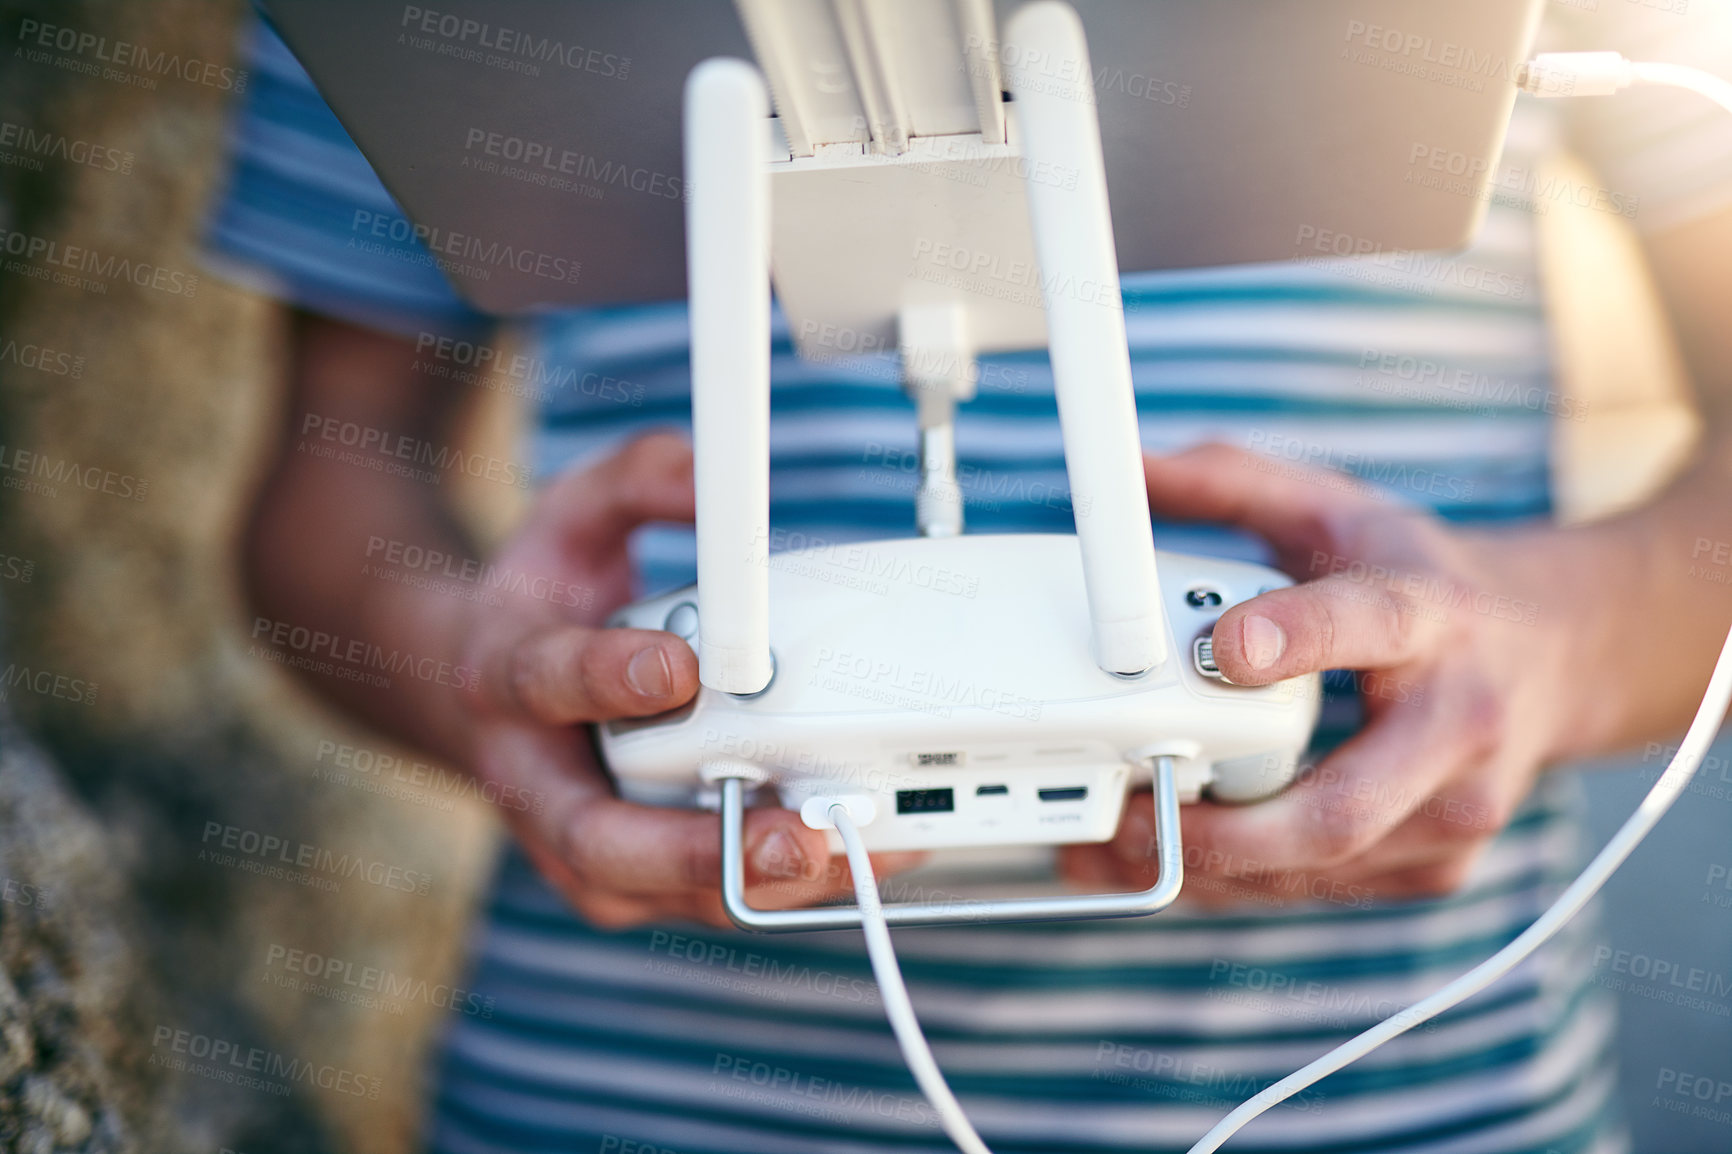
(963, 702)
(986, 690)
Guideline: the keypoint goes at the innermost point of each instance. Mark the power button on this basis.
(682, 621)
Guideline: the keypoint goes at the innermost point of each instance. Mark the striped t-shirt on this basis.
(1424, 376)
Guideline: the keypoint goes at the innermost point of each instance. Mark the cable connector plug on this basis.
(1556, 74)
(815, 811)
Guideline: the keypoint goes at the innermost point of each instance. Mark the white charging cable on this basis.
(1559, 74)
(897, 1007)
(1678, 773)
(918, 1054)
(1551, 74)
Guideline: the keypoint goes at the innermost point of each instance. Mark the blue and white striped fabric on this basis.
(1427, 378)
(305, 219)
(1308, 363)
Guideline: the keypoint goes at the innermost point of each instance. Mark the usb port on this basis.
(925, 801)
(1067, 793)
(991, 790)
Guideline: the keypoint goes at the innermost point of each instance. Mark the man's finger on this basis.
(642, 851)
(1423, 857)
(588, 841)
(1291, 507)
(1094, 867)
(1335, 623)
(822, 880)
(565, 674)
(649, 479)
(1349, 803)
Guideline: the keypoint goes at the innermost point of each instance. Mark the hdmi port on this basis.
(1068, 793)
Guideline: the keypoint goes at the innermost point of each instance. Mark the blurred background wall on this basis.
(136, 929)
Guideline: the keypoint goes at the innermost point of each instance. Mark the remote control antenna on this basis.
(728, 274)
(1048, 67)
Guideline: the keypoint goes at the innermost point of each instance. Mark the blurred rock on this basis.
(166, 738)
(75, 1000)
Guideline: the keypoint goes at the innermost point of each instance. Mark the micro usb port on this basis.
(1066, 793)
(991, 790)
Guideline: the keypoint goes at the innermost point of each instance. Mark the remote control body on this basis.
(944, 679)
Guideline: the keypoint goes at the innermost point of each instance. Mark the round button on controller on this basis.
(682, 621)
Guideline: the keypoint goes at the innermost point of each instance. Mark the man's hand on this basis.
(536, 665)
(547, 667)
(1466, 646)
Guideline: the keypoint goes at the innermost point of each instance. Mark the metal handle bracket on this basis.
(1069, 907)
